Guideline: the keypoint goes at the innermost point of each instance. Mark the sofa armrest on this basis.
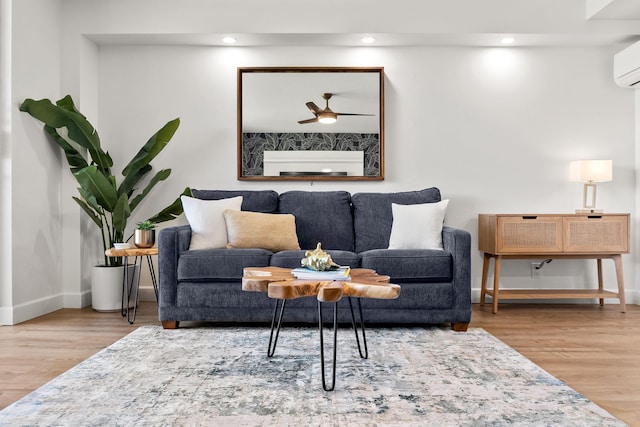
(458, 243)
(172, 241)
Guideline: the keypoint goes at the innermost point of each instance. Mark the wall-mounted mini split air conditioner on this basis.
(626, 67)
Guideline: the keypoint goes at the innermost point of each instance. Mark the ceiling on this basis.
(392, 23)
(613, 9)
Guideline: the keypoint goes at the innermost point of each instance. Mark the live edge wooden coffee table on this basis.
(281, 285)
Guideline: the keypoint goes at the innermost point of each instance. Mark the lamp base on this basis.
(589, 211)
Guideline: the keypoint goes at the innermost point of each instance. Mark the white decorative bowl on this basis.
(122, 246)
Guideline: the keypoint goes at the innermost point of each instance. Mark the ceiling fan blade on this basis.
(313, 107)
(353, 114)
(304, 122)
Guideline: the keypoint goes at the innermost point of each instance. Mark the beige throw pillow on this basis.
(274, 232)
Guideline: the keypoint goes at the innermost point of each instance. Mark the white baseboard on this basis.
(32, 309)
(77, 300)
(41, 306)
(6, 316)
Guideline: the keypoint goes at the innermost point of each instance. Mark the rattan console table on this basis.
(552, 236)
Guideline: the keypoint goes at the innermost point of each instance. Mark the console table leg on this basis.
(617, 259)
(335, 345)
(355, 328)
(485, 274)
(600, 285)
(272, 348)
(496, 283)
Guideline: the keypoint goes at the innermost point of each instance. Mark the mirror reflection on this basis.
(309, 123)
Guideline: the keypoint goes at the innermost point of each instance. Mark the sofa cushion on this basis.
(207, 222)
(274, 232)
(265, 201)
(417, 226)
(321, 216)
(410, 265)
(291, 259)
(372, 215)
(210, 265)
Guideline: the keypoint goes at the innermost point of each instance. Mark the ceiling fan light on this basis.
(327, 118)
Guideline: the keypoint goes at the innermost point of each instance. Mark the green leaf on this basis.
(99, 186)
(160, 176)
(75, 160)
(129, 182)
(79, 129)
(120, 215)
(173, 210)
(91, 200)
(153, 147)
(89, 211)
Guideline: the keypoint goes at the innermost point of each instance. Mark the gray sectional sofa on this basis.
(205, 284)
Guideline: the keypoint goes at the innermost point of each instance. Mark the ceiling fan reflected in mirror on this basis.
(326, 115)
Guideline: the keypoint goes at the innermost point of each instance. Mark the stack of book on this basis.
(342, 273)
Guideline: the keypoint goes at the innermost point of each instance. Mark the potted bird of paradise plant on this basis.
(107, 200)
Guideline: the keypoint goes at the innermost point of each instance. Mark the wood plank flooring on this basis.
(595, 350)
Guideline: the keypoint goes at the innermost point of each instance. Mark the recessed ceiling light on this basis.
(507, 40)
(229, 40)
(368, 40)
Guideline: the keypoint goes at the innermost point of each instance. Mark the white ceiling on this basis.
(613, 9)
(391, 22)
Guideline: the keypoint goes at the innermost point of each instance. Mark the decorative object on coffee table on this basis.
(129, 283)
(281, 285)
(318, 259)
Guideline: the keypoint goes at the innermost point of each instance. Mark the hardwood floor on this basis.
(595, 350)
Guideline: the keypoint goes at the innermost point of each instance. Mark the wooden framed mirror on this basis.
(281, 134)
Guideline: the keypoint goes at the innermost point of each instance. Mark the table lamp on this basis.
(590, 172)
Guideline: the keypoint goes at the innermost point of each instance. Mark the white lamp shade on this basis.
(591, 171)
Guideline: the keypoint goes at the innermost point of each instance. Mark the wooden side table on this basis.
(138, 254)
(552, 236)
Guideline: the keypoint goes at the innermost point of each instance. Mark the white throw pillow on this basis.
(208, 229)
(417, 226)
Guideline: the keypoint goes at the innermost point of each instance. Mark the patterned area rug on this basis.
(222, 377)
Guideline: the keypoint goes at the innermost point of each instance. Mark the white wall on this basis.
(493, 128)
(35, 165)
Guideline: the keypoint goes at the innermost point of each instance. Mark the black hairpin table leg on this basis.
(272, 347)
(335, 345)
(124, 311)
(134, 282)
(355, 329)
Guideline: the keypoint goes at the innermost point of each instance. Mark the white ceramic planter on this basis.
(106, 287)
